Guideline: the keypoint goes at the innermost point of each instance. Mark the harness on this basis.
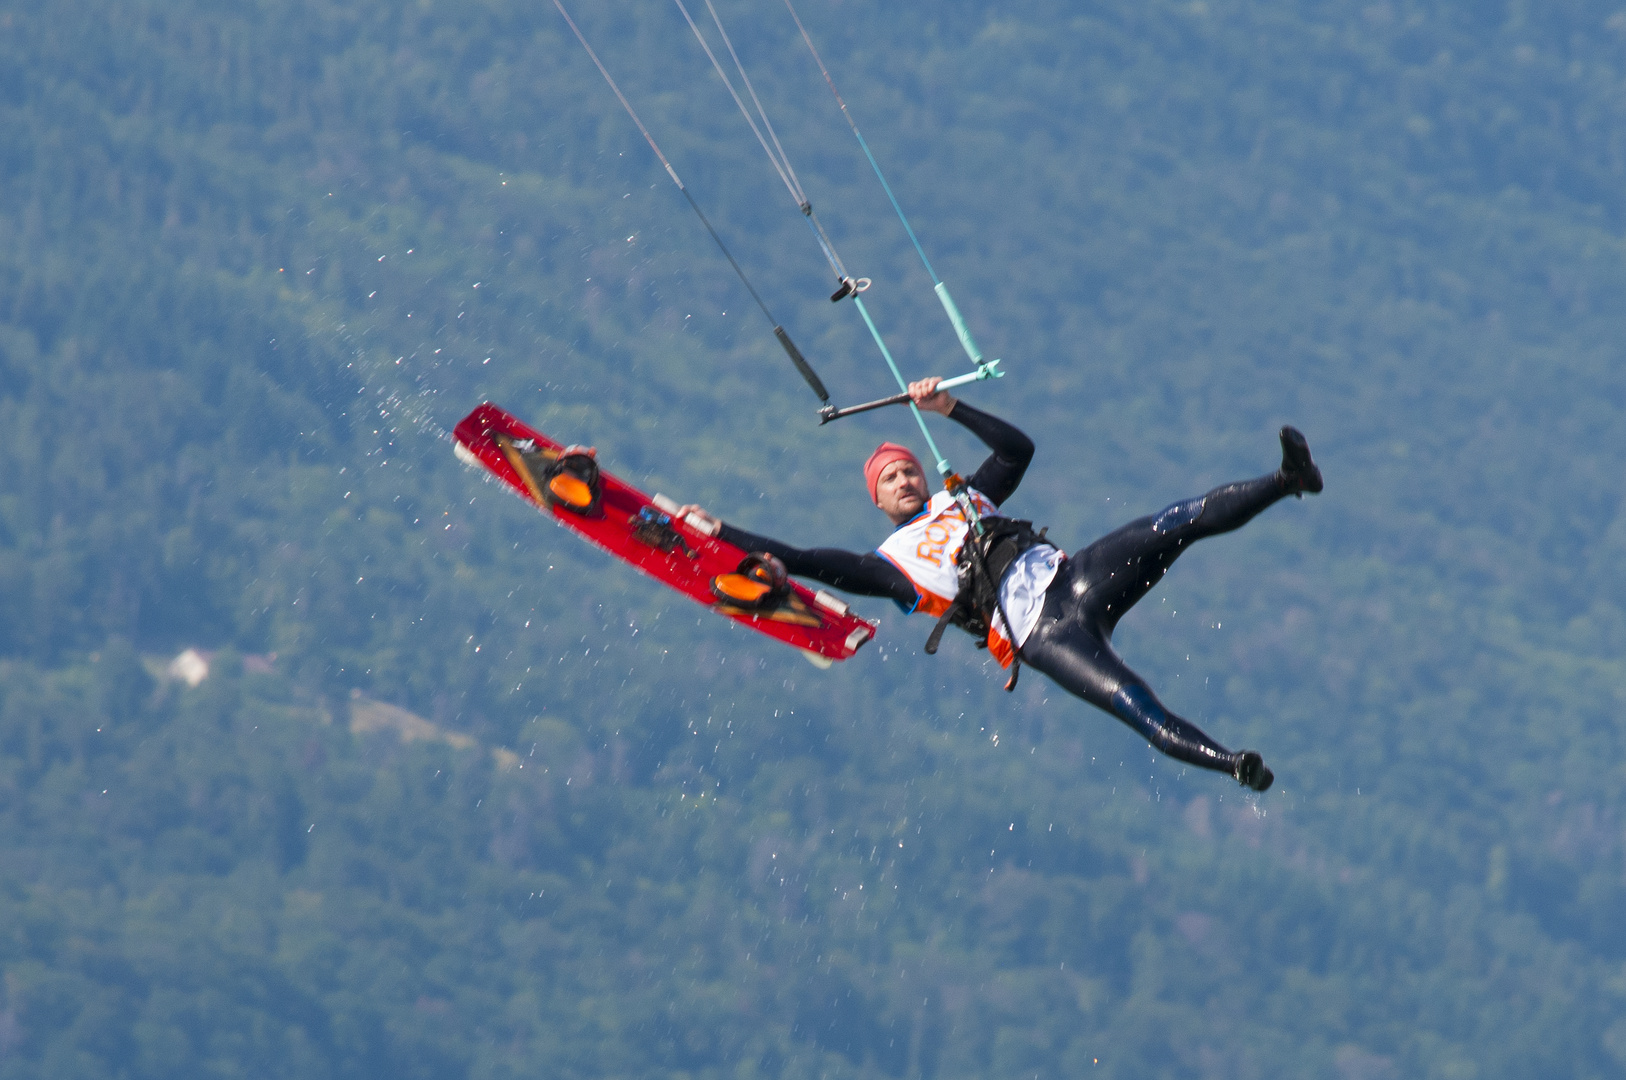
(981, 565)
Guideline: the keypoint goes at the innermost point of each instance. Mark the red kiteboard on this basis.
(566, 482)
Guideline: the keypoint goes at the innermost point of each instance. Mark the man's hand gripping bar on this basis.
(989, 370)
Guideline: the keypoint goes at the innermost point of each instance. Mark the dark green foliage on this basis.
(255, 259)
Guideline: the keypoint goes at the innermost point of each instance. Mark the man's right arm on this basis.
(862, 575)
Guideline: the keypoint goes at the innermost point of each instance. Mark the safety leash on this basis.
(985, 369)
(795, 354)
(847, 284)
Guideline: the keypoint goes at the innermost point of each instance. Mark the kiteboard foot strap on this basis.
(760, 582)
(572, 481)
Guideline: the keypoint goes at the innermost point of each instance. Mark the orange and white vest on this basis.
(925, 546)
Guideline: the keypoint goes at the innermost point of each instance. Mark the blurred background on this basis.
(322, 756)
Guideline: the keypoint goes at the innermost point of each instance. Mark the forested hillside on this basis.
(463, 797)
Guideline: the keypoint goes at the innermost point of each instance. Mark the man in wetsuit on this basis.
(1056, 613)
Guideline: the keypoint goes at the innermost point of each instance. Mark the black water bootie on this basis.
(1251, 771)
(1298, 472)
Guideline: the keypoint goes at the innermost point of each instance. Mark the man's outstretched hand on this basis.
(696, 518)
(927, 396)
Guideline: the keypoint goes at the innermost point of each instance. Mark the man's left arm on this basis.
(998, 476)
(866, 574)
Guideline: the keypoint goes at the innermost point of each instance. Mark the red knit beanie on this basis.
(884, 455)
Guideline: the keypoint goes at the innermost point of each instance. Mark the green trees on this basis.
(254, 261)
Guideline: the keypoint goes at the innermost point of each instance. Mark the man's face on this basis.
(901, 490)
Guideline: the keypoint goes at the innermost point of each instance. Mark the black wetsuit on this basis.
(1072, 642)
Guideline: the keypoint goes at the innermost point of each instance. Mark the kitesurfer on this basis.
(1061, 610)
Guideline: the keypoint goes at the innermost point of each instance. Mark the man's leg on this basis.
(1082, 662)
(1112, 574)
(1072, 642)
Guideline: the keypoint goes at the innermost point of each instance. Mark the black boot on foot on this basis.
(1299, 473)
(1250, 771)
